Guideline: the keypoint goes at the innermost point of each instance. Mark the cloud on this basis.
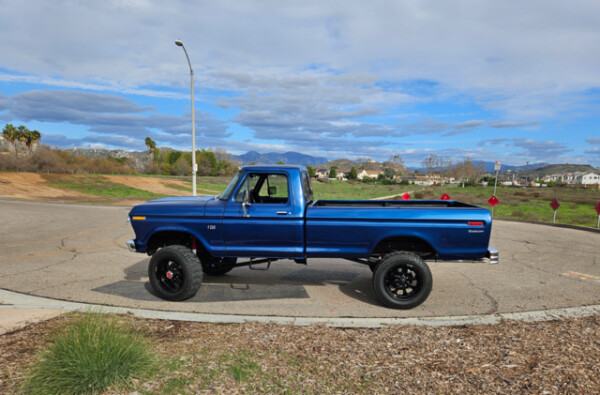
(108, 114)
(511, 124)
(540, 149)
(425, 126)
(4, 102)
(593, 140)
(297, 107)
(465, 127)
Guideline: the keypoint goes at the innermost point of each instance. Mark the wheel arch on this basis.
(174, 236)
(414, 244)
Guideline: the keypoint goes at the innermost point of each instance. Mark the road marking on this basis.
(582, 276)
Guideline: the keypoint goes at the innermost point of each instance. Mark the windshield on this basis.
(227, 192)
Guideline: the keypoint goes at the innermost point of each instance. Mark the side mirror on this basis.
(272, 190)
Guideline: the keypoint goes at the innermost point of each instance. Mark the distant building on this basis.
(588, 179)
(368, 173)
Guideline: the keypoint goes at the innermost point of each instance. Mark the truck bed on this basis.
(390, 203)
(355, 228)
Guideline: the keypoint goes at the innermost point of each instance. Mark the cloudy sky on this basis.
(514, 81)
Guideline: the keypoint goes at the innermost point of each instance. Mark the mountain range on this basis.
(275, 157)
(253, 157)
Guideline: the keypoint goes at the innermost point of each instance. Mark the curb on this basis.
(14, 300)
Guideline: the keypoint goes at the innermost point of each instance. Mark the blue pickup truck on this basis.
(268, 213)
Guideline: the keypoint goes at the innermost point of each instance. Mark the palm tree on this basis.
(10, 134)
(22, 136)
(33, 137)
(151, 144)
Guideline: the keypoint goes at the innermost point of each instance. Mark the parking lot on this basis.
(77, 253)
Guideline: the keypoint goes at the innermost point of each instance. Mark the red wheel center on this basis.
(169, 274)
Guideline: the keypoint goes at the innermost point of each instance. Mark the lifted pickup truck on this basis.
(268, 213)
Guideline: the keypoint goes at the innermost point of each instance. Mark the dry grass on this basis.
(559, 356)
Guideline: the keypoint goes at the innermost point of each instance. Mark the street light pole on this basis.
(194, 166)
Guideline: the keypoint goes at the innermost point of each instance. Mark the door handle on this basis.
(282, 213)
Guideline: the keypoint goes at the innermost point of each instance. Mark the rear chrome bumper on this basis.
(131, 245)
(493, 255)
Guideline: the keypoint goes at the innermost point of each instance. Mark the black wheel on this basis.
(402, 280)
(217, 266)
(175, 273)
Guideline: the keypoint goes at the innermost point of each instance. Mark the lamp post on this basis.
(194, 166)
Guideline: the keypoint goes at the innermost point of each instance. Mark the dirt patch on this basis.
(32, 186)
(150, 184)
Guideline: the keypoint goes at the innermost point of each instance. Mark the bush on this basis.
(89, 355)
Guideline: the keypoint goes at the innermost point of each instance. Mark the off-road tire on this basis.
(402, 280)
(175, 273)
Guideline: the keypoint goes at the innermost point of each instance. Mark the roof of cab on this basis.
(272, 167)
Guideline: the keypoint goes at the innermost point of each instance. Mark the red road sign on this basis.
(555, 204)
(493, 201)
(406, 196)
(598, 208)
(445, 197)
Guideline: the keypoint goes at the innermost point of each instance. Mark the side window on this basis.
(249, 185)
(274, 189)
(264, 188)
(306, 188)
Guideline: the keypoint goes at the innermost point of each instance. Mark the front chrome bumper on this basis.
(493, 255)
(131, 245)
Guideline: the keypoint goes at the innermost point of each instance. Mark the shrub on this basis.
(517, 213)
(87, 356)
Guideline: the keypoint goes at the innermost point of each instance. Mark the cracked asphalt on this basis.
(77, 253)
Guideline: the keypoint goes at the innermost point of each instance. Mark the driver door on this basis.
(258, 220)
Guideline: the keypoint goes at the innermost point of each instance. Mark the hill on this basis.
(290, 158)
(558, 169)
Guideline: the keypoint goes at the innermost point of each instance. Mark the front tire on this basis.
(402, 280)
(175, 273)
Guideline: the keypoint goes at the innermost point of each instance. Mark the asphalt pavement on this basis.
(75, 255)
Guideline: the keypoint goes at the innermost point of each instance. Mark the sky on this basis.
(508, 81)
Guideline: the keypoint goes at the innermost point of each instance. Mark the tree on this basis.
(22, 136)
(33, 137)
(393, 166)
(10, 135)
(467, 170)
(333, 172)
(151, 145)
(207, 163)
(389, 173)
(311, 171)
(353, 174)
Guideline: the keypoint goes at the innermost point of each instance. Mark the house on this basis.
(322, 173)
(588, 179)
(368, 173)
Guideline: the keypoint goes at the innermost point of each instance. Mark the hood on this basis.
(173, 206)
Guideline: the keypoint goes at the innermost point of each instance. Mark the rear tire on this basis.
(175, 273)
(402, 280)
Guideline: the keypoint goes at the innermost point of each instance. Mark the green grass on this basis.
(87, 356)
(530, 204)
(347, 190)
(100, 186)
(178, 187)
